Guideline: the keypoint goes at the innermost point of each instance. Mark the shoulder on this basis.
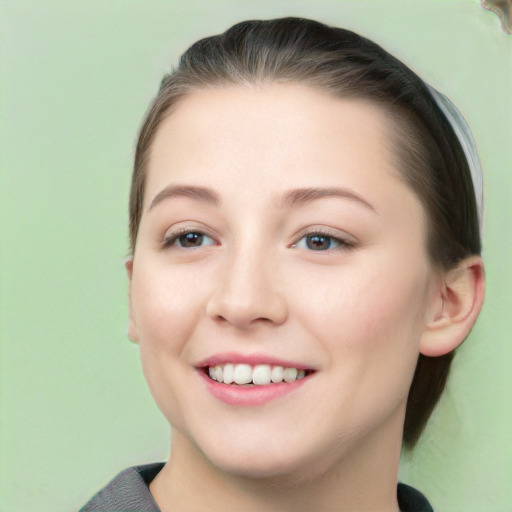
(129, 490)
(411, 500)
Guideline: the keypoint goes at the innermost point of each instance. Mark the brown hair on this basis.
(428, 154)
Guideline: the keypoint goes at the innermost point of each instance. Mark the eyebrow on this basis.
(292, 198)
(204, 194)
(298, 197)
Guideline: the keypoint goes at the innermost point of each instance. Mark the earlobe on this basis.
(460, 297)
(128, 265)
(133, 334)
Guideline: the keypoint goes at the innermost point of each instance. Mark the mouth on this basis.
(252, 379)
(247, 375)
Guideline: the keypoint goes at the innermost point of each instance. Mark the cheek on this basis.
(389, 311)
(376, 303)
(165, 309)
(164, 306)
(370, 322)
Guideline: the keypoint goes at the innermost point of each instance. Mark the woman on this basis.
(305, 260)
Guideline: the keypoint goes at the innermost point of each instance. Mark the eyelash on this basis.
(172, 239)
(340, 243)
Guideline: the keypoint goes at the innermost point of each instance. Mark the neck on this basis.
(365, 480)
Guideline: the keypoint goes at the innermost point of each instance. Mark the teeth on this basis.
(218, 371)
(229, 373)
(290, 374)
(259, 375)
(277, 374)
(243, 374)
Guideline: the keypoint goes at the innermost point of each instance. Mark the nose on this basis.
(247, 293)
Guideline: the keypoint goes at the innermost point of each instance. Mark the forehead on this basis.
(275, 137)
(272, 123)
(283, 110)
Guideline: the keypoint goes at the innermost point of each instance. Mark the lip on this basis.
(250, 395)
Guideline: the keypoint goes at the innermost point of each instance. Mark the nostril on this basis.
(246, 305)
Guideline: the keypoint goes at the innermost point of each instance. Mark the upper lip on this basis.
(252, 359)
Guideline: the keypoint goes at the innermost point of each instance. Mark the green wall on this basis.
(76, 78)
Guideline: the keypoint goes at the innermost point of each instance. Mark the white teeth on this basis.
(243, 374)
(218, 371)
(290, 374)
(259, 375)
(277, 374)
(229, 373)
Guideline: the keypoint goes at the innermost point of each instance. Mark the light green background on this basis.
(76, 78)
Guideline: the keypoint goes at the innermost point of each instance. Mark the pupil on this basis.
(317, 242)
(191, 240)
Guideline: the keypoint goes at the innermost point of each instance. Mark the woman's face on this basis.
(276, 233)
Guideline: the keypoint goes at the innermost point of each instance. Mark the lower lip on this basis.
(232, 394)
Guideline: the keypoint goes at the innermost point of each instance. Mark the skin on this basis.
(357, 313)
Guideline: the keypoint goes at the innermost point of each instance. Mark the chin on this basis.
(256, 467)
(271, 461)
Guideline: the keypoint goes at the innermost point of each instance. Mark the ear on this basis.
(458, 302)
(133, 333)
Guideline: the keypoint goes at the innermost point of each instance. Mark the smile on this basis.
(251, 380)
(258, 375)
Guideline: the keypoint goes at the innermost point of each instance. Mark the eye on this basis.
(321, 242)
(188, 240)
